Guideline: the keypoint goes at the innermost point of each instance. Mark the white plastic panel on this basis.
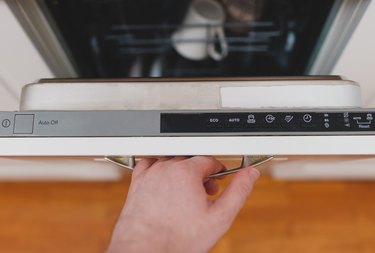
(292, 96)
(58, 168)
(162, 146)
(191, 95)
(330, 167)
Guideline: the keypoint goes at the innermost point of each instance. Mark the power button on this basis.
(6, 123)
(23, 124)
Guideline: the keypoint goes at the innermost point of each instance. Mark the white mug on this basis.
(202, 26)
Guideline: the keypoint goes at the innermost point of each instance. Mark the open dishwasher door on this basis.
(295, 117)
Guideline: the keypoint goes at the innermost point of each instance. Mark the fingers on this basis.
(204, 166)
(200, 165)
(211, 187)
(234, 196)
(143, 165)
(171, 158)
(147, 163)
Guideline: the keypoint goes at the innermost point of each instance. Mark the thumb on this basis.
(234, 196)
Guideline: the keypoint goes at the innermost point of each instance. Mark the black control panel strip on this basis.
(256, 122)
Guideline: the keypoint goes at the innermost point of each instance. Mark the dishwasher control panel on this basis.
(268, 122)
(142, 123)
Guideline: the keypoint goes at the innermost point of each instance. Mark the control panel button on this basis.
(251, 119)
(307, 118)
(288, 118)
(6, 123)
(270, 118)
(24, 124)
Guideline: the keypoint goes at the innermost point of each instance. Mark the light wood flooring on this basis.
(280, 216)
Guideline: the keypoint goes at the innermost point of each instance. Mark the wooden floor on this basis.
(278, 217)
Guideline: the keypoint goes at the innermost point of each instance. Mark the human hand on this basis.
(168, 210)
